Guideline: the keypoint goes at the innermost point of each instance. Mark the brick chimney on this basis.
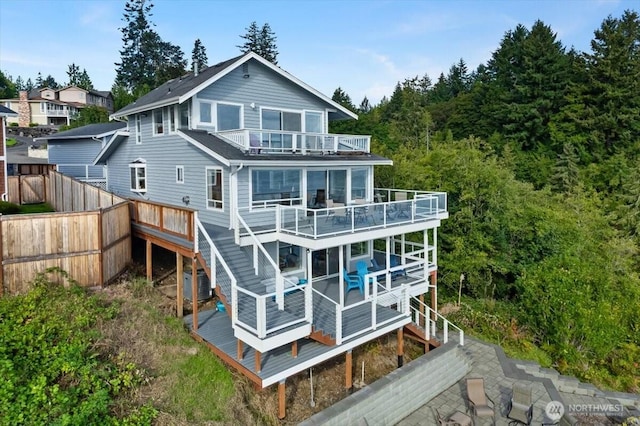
(24, 110)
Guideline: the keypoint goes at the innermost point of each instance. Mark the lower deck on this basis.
(214, 328)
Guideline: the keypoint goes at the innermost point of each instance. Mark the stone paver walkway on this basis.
(500, 373)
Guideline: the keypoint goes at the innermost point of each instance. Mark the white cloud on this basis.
(21, 59)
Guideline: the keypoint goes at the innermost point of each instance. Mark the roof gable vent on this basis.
(245, 70)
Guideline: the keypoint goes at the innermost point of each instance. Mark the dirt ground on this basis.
(370, 362)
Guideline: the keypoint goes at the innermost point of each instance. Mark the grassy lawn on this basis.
(11, 142)
(36, 208)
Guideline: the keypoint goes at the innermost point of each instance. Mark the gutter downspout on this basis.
(233, 197)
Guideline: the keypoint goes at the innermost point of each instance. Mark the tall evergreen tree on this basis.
(39, 81)
(50, 82)
(261, 41)
(199, 56)
(84, 81)
(7, 88)
(28, 86)
(365, 106)
(73, 73)
(565, 172)
(19, 83)
(341, 97)
(146, 61)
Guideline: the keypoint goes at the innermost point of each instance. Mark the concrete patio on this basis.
(500, 373)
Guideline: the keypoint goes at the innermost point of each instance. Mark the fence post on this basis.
(100, 248)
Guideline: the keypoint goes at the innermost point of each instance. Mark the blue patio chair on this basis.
(353, 281)
(395, 261)
(362, 269)
(376, 266)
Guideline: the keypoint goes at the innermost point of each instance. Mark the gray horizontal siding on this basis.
(75, 151)
(162, 154)
(264, 88)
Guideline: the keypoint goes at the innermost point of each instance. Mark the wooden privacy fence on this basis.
(165, 218)
(64, 193)
(92, 246)
(29, 189)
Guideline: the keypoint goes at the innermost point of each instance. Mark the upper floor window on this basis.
(179, 174)
(138, 176)
(158, 121)
(229, 116)
(172, 118)
(138, 129)
(214, 188)
(281, 120)
(270, 187)
(358, 184)
(183, 111)
(205, 113)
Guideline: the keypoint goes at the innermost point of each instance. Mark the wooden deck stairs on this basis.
(415, 332)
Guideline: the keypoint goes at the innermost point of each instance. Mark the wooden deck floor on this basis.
(214, 327)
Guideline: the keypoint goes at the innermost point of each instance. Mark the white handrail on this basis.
(430, 324)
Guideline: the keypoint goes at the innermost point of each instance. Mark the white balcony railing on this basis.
(278, 142)
(326, 222)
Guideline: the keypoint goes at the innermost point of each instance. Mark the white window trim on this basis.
(214, 113)
(139, 164)
(179, 172)
(196, 114)
(303, 181)
(297, 111)
(324, 129)
(206, 189)
(189, 111)
(172, 111)
(138, 125)
(153, 120)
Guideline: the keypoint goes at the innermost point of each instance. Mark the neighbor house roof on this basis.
(181, 89)
(97, 130)
(6, 112)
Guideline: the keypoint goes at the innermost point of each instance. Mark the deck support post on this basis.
(400, 347)
(341, 274)
(258, 362)
(294, 349)
(434, 294)
(194, 292)
(180, 286)
(281, 400)
(348, 374)
(422, 319)
(149, 252)
(239, 349)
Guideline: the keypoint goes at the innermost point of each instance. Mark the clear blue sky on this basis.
(365, 47)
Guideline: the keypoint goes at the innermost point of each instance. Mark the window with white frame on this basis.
(158, 121)
(358, 184)
(359, 249)
(206, 116)
(270, 187)
(214, 188)
(138, 176)
(228, 116)
(179, 174)
(138, 129)
(172, 119)
(183, 110)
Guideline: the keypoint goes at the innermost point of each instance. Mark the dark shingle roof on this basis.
(6, 111)
(88, 131)
(177, 87)
(232, 153)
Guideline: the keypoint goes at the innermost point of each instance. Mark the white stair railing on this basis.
(423, 314)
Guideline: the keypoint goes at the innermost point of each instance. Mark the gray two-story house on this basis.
(308, 257)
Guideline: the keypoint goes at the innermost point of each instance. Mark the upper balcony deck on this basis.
(320, 227)
(284, 142)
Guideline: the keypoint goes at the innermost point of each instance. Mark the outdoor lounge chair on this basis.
(395, 261)
(339, 214)
(353, 281)
(404, 206)
(520, 408)
(362, 269)
(478, 399)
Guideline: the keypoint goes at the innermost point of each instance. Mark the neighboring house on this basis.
(73, 151)
(282, 205)
(54, 107)
(4, 114)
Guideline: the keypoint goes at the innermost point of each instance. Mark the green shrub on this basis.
(11, 142)
(51, 370)
(33, 124)
(13, 124)
(8, 208)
